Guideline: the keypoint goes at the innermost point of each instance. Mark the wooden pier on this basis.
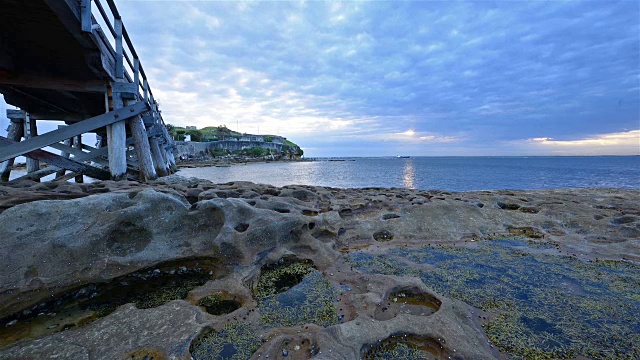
(73, 61)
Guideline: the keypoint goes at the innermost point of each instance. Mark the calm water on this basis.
(444, 173)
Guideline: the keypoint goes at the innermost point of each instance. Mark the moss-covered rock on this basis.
(235, 341)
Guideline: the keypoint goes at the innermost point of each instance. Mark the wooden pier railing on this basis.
(67, 67)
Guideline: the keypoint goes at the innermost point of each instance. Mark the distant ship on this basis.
(403, 157)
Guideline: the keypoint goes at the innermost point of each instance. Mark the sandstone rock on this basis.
(61, 236)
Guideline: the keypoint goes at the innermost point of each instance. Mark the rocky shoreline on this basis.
(231, 161)
(181, 268)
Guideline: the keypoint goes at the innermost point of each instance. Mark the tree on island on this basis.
(196, 135)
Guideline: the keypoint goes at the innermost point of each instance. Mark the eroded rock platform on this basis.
(183, 268)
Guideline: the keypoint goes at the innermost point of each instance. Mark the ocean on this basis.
(442, 173)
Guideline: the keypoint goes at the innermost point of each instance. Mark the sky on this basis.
(385, 78)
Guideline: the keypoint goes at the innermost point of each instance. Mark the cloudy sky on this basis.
(385, 78)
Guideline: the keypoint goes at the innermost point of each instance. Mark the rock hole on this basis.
(345, 212)
(241, 228)
(146, 354)
(624, 220)
(412, 301)
(235, 340)
(133, 194)
(383, 235)
(526, 231)
(282, 211)
(145, 288)
(219, 304)
(505, 206)
(390, 216)
(281, 276)
(292, 293)
(405, 346)
(307, 212)
(312, 225)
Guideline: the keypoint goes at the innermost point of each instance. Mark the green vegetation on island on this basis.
(220, 134)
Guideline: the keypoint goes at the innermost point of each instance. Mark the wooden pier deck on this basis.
(58, 63)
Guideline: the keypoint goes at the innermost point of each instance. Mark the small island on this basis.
(219, 145)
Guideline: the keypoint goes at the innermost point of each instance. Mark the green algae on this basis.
(216, 305)
(406, 347)
(80, 307)
(399, 351)
(547, 306)
(281, 276)
(293, 293)
(235, 341)
(311, 301)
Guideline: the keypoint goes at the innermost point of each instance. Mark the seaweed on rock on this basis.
(235, 341)
(295, 293)
(548, 306)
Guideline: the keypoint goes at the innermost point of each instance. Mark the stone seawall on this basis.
(201, 149)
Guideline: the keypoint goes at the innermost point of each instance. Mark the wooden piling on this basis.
(31, 130)
(158, 161)
(77, 143)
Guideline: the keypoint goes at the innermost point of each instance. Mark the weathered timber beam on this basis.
(58, 116)
(67, 177)
(95, 153)
(19, 115)
(61, 162)
(38, 142)
(79, 155)
(52, 83)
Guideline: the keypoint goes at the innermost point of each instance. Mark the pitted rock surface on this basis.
(55, 237)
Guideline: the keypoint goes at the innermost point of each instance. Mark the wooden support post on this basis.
(30, 131)
(117, 136)
(139, 134)
(117, 132)
(165, 158)
(158, 161)
(143, 149)
(116, 143)
(146, 90)
(77, 143)
(64, 154)
(172, 161)
(85, 15)
(14, 132)
(119, 49)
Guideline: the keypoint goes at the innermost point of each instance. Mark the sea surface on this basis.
(442, 173)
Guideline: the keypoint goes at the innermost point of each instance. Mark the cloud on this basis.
(621, 143)
(340, 75)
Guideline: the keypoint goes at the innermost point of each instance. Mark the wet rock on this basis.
(383, 235)
(506, 206)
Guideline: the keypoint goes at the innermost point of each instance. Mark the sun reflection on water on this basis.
(409, 174)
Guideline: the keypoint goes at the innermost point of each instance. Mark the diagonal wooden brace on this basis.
(62, 162)
(38, 142)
